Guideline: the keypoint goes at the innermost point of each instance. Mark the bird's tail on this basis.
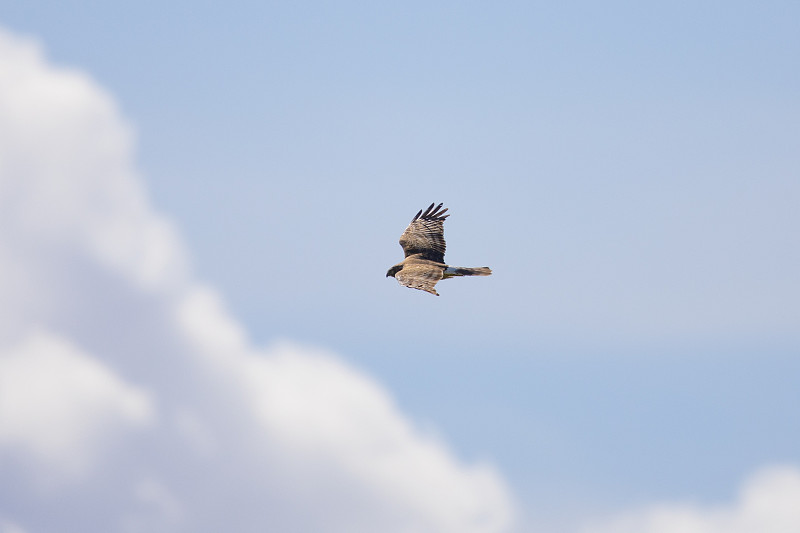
(450, 272)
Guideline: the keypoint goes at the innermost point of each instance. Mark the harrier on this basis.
(423, 244)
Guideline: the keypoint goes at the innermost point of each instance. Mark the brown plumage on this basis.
(424, 246)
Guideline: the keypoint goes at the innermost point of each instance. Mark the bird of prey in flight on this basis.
(423, 244)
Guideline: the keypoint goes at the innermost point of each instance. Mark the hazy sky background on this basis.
(629, 171)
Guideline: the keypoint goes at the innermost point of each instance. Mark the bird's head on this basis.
(394, 270)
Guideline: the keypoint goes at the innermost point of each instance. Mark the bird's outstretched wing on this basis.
(421, 276)
(425, 234)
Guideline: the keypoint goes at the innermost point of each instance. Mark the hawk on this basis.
(423, 244)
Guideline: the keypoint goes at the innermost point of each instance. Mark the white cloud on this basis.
(769, 502)
(57, 403)
(313, 402)
(313, 405)
(286, 438)
(67, 173)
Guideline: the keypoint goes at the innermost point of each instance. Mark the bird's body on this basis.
(424, 247)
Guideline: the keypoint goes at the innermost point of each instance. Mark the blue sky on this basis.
(628, 171)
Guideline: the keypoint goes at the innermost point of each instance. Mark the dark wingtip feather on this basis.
(432, 212)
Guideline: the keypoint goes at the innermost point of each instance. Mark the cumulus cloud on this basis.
(769, 502)
(56, 402)
(104, 332)
(309, 402)
(68, 173)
